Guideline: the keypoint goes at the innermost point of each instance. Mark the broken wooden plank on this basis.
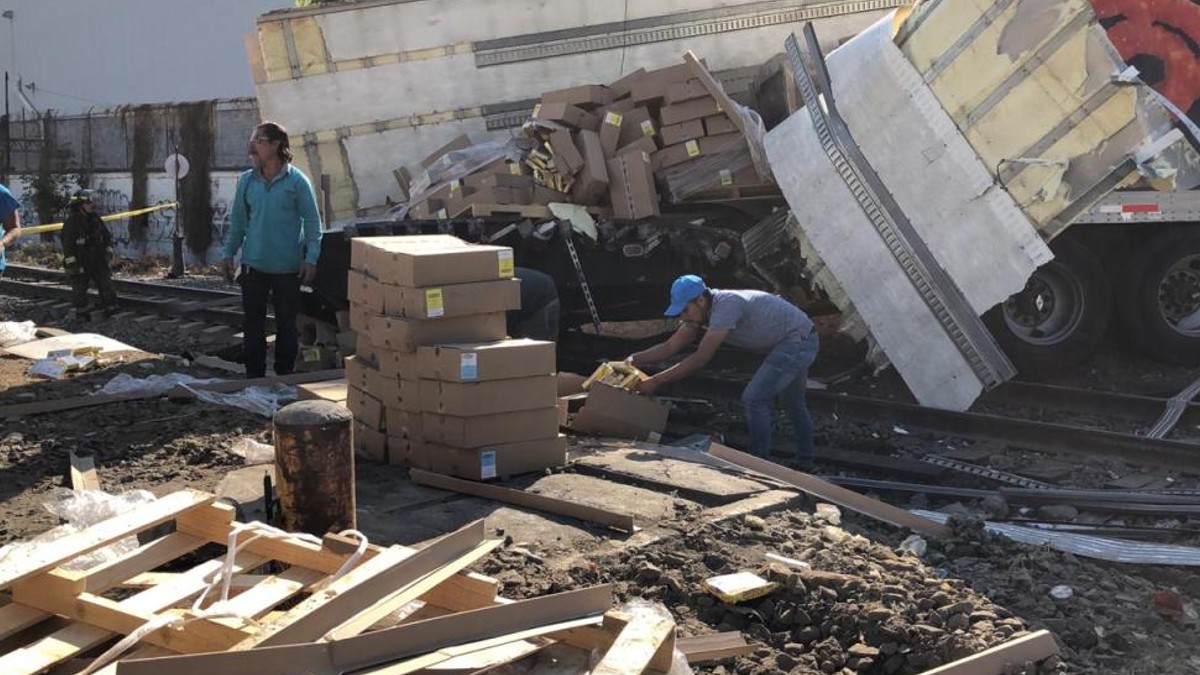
(506, 621)
(83, 472)
(726, 104)
(52, 554)
(637, 645)
(832, 493)
(714, 647)
(995, 661)
(591, 514)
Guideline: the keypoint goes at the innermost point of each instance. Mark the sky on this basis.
(82, 54)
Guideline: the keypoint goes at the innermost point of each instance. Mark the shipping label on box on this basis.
(416, 266)
(464, 399)
(691, 110)
(621, 414)
(366, 409)
(406, 335)
(453, 300)
(481, 430)
(497, 461)
(505, 360)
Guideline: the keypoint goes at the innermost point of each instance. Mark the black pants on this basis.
(93, 272)
(284, 292)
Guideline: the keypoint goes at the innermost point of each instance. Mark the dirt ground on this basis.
(862, 608)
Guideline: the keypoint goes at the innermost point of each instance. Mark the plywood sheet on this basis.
(38, 349)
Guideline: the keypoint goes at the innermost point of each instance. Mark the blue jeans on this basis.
(784, 375)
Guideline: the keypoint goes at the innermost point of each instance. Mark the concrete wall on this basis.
(114, 192)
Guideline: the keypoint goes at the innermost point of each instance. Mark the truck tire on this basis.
(1058, 320)
(1160, 299)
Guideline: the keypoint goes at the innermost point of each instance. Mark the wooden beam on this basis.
(562, 507)
(995, 661)
(83, 472)
(146, 557)
(506, 622)
(637, 645)
(53, 554)
(361, 589)
(831, 493)
(714, 647)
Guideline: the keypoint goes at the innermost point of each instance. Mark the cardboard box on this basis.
(715, 125)
(631, 187)
(652, 88)
(567, 158)
(483, 362)
(623, 106)
(331, 390)
(500, 165)
(502, 195)
(645, 144)
(463, 141)
(615, 412)
(360, 319)
(358, 292)
(453, 300)
(390, 391)
(679, 92)
(570, 384)
(482, 181)
(464, 399)
(545, 195)
(366, 350)
(567, 114)
(356, 372)
(610, 132)
(708, 145)
(624, 86)
(691, 110)
(563, 409)
(366, 409)
(635, 124)
(483, 430)
(406, 335)
(675, 134)
(591, 185)
(399, 451)
(361, 247)
(399, 365)
(498, 461)
(588, 96)
(398, 263)
(401, 423)
(370, 443)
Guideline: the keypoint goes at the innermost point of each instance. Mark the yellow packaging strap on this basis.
(55, 227)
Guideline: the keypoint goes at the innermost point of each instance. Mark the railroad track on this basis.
(198, 305)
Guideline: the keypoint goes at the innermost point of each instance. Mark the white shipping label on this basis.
(487, 464)
(468, 367)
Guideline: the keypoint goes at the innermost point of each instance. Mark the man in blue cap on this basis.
(756, 321)
(10, 222)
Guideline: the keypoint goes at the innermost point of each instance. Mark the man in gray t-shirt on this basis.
(756, 321)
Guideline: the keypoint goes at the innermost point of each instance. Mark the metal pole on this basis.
(177, 235)
(6, 166)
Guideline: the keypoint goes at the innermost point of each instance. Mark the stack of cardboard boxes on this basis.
(670, 134)
(434, 382)
(489, 410)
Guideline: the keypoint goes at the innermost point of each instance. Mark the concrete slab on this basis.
(653, 467)
(646, 506)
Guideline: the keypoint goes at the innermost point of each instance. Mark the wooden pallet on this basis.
(115, 598)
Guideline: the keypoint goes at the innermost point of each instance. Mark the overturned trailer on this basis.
(992, 126)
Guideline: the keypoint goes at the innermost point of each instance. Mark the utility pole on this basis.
(177, 168)
(6, 130)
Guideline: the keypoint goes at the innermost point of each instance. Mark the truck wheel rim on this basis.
(1050, 308)
(1179, 296)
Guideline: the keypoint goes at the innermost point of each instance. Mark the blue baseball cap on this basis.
(685, 289)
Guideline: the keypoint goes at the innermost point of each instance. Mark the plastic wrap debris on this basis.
(262, 401)
(82, 509)
(454, 166)
(828, 513)
(1114, 550)
(740, 162)
(914, 544)
(17, 332)
(254, 452)
(57, 368)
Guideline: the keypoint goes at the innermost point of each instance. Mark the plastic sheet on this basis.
(253, 452)
(721, 169)
(82, 509)
(455, 165)
(1088, 546)
(258, 400)
(17, 332)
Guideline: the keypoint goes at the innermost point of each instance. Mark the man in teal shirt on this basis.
(275, 224)
(10, 222)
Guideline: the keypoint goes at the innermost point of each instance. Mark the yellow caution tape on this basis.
(55, 227)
